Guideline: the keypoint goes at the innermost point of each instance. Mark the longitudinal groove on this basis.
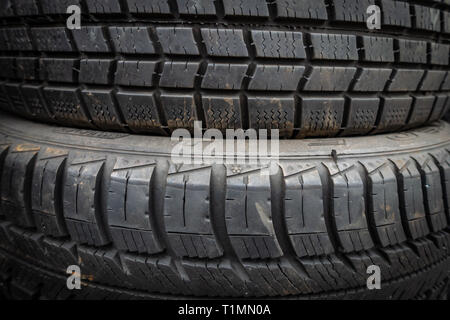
(2, 162)
(174, 8)
(369, 205)
(220, 10)
(59, 196)
(424, 187)
(401, 198)
(217, 195)
(28, 185)
(444, 186)
(329, 216)
(278, 187)
(102, 187)
(157, 197)
(200, 74)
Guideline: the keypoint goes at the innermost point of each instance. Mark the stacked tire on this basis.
(87, 178)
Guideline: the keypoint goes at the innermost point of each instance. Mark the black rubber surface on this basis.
(308, 68)
(138, 225)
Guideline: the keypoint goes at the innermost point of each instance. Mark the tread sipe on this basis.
(139, 225)
(308, 68)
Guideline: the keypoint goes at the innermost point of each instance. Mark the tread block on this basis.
(159, 7)
(272, 113)
(256, 8)
(28, 243)
(46, 192)
(276, 77)
(351, 10)
(278, 44)
(334, 46)
(224, 76)
(446, 84)
(104, 6)
(179, 74)
(349, 207)
(3, 153)
(273, 278)
(160, 274)
(222, 112)
(52, 39)
(135, 73)
(131, 40)
(439, 53)
(395, 13)
(16, 179)
(81, 205)
(406, 80)
(178, 41)
(4, 46)
(427, 18)
(100, 105)
(394, 114)
(380, 49)
(5, 237)
(6, 8)
(412, 51)
(26, 68)
(439, 107)
(444, 166)
(91, 39)
(219, 277)
(60, 253)
(179, 110)
(384, 212)
(140, 111)
(7, 65)
(18, 39)
(308, 9)
(305, 220)
(196, 7)
(14, 93)
(321, 116)
(128, 207)
(248, 216)
(432, 190)
(65, 104)
(421, 110)
(411, 198)
(102, 265)
(33, 98)
(95, 71)
(224, 42)
(362, 115)
(57, 70)
(446, 19)
(5, 104)
(187, 213)
(60, 7)
(433, 80)
(372, 79)
(330, 78)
